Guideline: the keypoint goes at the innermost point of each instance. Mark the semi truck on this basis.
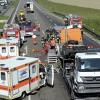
(23, 75)
(81, 73)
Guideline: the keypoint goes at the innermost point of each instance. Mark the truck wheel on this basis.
(23, 95)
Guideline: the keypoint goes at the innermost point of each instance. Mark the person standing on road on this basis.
(52, 43)
(34, 39)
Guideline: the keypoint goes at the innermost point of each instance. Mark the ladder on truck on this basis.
(52, 56)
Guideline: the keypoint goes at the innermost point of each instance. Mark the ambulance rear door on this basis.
(34, 76)
(4, 83)
(50, 75)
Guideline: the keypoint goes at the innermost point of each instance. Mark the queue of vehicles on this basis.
(80, 65)
(31, 74)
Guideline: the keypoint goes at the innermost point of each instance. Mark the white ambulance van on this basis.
(22, 75)
(9, 47)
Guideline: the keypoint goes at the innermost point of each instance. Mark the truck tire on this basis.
(72, 95)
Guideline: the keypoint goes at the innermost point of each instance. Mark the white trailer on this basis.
(9, 47)
(29, 6)
(22, 75)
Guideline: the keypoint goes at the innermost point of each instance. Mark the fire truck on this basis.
(13, 30)
(30, 28)
(23, 75)
(73, 21)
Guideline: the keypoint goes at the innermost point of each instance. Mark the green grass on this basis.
(1, 25)
(91, 17)
(2, 17)
(14, 3)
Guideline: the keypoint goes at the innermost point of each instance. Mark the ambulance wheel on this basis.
(23, 95)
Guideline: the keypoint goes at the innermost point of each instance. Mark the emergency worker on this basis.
(52, 43)
(34, 39)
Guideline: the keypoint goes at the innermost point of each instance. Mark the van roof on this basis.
(15, 62)
(8, 40)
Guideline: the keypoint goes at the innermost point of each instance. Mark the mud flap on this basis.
(50, 75)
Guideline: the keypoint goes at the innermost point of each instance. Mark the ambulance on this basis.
(9, 47)
(22, 75)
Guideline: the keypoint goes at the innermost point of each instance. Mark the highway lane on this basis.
(59, 91)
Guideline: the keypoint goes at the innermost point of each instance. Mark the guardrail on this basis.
(91, 31)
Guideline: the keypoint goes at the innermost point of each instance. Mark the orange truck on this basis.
(71, 34)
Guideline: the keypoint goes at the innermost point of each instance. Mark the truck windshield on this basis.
(90, 65)
(11, 34)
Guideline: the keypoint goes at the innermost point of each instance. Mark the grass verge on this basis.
(1, 25)
(14, 3)
(2, 17)
(91, 17)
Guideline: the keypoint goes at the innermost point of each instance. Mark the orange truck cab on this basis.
(67, 34)
(71, 34)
